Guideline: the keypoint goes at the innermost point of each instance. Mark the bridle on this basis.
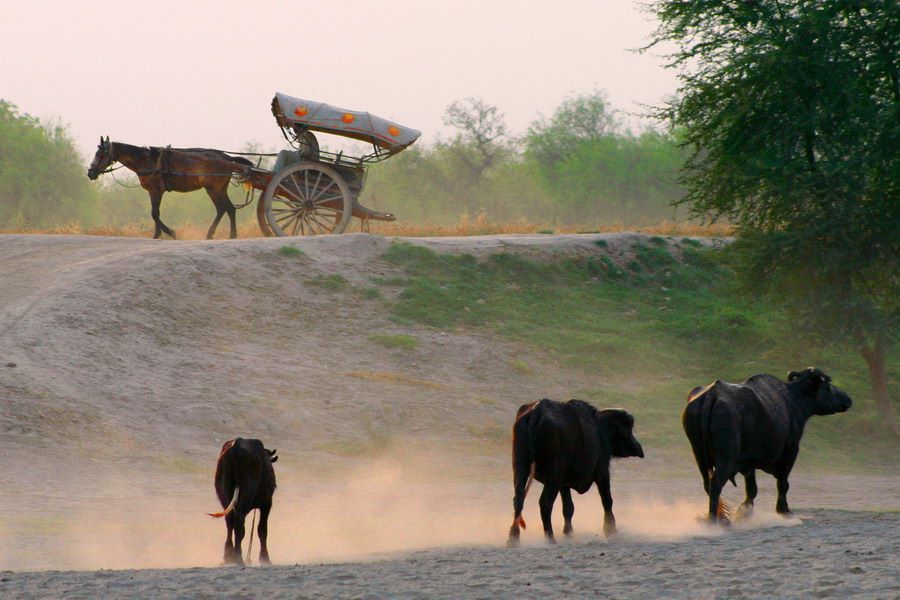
(110, 157)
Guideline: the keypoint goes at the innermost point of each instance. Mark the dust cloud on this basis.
(393, 503)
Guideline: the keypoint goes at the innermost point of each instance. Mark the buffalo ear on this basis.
(274, 459)
(792, 375)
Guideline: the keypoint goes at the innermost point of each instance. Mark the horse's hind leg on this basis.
(160, 227)
(232, 214)
(212, 228)
(223, 205)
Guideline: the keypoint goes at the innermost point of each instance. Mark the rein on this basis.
(163, 171)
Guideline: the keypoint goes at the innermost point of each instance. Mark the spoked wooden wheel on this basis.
(307, 198)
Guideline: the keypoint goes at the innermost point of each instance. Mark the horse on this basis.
(161, 170)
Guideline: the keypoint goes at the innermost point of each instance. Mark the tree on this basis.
(597, 169)
(482, 129)
(42, 180)
(579, 119)
(791, 112)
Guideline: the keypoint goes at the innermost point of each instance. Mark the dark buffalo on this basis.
(738, 428)
(566, 446)
(245, 480)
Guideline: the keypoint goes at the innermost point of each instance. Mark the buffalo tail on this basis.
(229, 508)
(523, 460)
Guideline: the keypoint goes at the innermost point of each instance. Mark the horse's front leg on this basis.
(155, 202)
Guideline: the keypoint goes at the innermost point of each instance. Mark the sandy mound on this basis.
(125, 363)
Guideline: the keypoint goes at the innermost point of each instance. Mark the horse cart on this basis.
(309, 191)
(313, 191)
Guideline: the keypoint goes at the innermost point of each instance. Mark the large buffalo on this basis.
(245, 480)
(566, 446)
(738, 428)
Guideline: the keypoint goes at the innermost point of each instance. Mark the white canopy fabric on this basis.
(364, 126)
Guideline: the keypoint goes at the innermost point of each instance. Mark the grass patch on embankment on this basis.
(653, 328)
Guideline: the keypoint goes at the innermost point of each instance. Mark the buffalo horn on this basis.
(792, 375)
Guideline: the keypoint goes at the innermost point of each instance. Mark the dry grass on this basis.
(465, 227)
(397, 378)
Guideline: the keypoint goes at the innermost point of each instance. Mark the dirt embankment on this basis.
(125, 363)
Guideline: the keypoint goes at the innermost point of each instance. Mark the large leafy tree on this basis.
(791, 110)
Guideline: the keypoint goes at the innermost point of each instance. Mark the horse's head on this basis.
(102, 159)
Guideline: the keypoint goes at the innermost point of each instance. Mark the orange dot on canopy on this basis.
(394, 130)
(301, 111)
(348, 118)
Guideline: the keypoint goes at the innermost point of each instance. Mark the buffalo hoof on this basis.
(550, 539)
(567, 530)
(513, 539)
(264, 560)
(609, 528)
(744, 511)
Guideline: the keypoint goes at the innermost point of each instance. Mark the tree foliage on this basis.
(791, 113)
(578, 167)
(593, 166)
(42, 179)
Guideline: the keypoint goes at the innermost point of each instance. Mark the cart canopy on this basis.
(364, 126)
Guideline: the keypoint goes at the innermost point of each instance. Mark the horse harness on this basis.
(164, 167)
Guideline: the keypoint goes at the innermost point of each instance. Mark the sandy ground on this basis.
(125, 363)
(832, 554)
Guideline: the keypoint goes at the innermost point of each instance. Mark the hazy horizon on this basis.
(203, 73)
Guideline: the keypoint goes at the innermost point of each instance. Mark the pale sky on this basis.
(202, 73)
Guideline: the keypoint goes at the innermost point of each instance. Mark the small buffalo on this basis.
(566, 446)
(738, 428)
(245, 480)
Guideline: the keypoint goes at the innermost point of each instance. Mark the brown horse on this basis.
(162, 170)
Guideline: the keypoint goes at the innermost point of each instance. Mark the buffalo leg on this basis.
(609, 520)
(568, 509)
(239, 531)
(781, 480)
(750, 485)
(229, 545)
(717, 509)
(548, 497)
(263, 532)
(781, 505)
